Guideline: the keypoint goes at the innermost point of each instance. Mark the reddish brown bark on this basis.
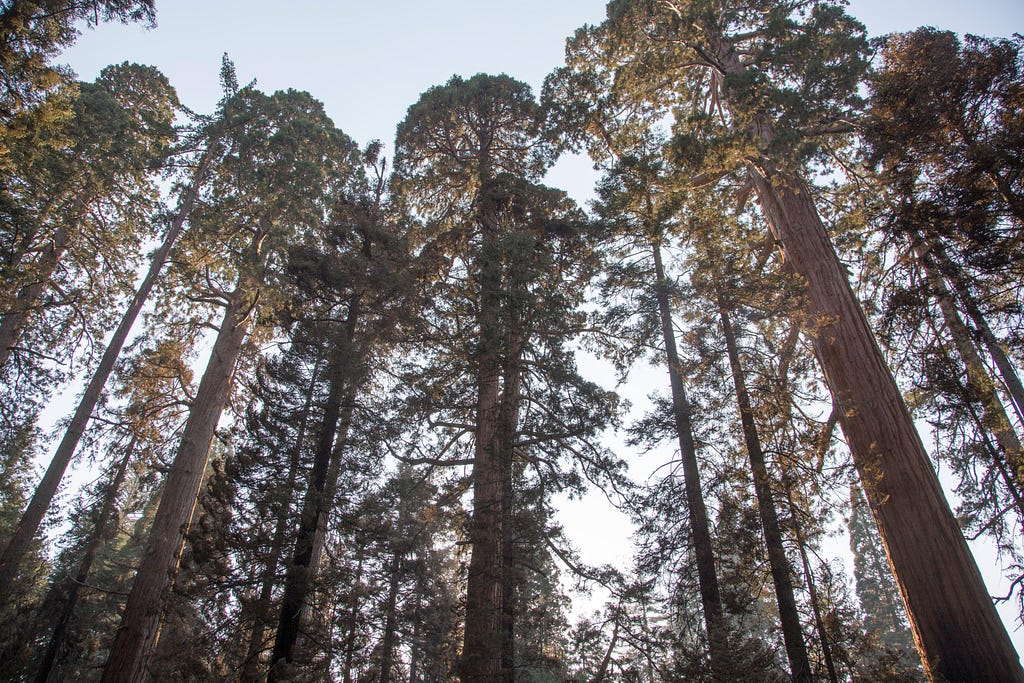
(140, 624)
(484, 635)
(28, 526)
(955, 625)
(107, 511)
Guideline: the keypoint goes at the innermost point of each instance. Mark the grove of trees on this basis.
(331, 401)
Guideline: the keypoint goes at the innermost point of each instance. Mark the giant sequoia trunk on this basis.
(789, 615)
(484, 635)
(28, 526)
(140, 624)
(956, 627)
(707, 577)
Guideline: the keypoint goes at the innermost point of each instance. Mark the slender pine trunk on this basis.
(353, 619)
(700, 531)
(28, 526)
(812, 589)
(789, 615)
(390, 639)
(301, 573)
(935, 256)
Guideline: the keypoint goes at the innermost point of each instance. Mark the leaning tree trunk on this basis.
(789, 615)
(934, 256)
(812, 589)
(14, 320)
(996, 420)
(250, 672)
(707, 577)
(331, 440)
(28, 526)
(99, 531)
(140, 624)
(956, 627)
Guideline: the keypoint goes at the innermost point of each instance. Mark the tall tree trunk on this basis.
(353, 619)
(482, 649)
(261, 612)
(934, 255)
(789, 615)
(956, 627)
(996, 418)
(707, 577)
(331, 440)
(507, 436)
(602, 669)
(14, 320)
(140, 624)
(415, 646)
(107, 510)
(390, 640)
(28, 526)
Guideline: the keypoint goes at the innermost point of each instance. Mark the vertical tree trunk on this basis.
(48, 667)
(28, 526)
(140, 624)
(707, 577)
(250, 673)
(789, 615)
(390, 640)
(353, 621)
(956, 627)
(481, 660)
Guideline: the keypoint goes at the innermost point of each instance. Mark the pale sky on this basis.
(369, 61)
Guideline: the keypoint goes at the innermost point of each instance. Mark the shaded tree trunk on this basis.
(331, 440)
(261, 612)
(390, 639)
(28, 526)
(789, 615)
(14, 320)
(995, 417)
(956, 627)
(707, 577)
(812, 589)
(934, 256)
(140, 624)
(353, 619)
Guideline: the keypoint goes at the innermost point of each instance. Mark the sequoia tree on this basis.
(774, 75)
